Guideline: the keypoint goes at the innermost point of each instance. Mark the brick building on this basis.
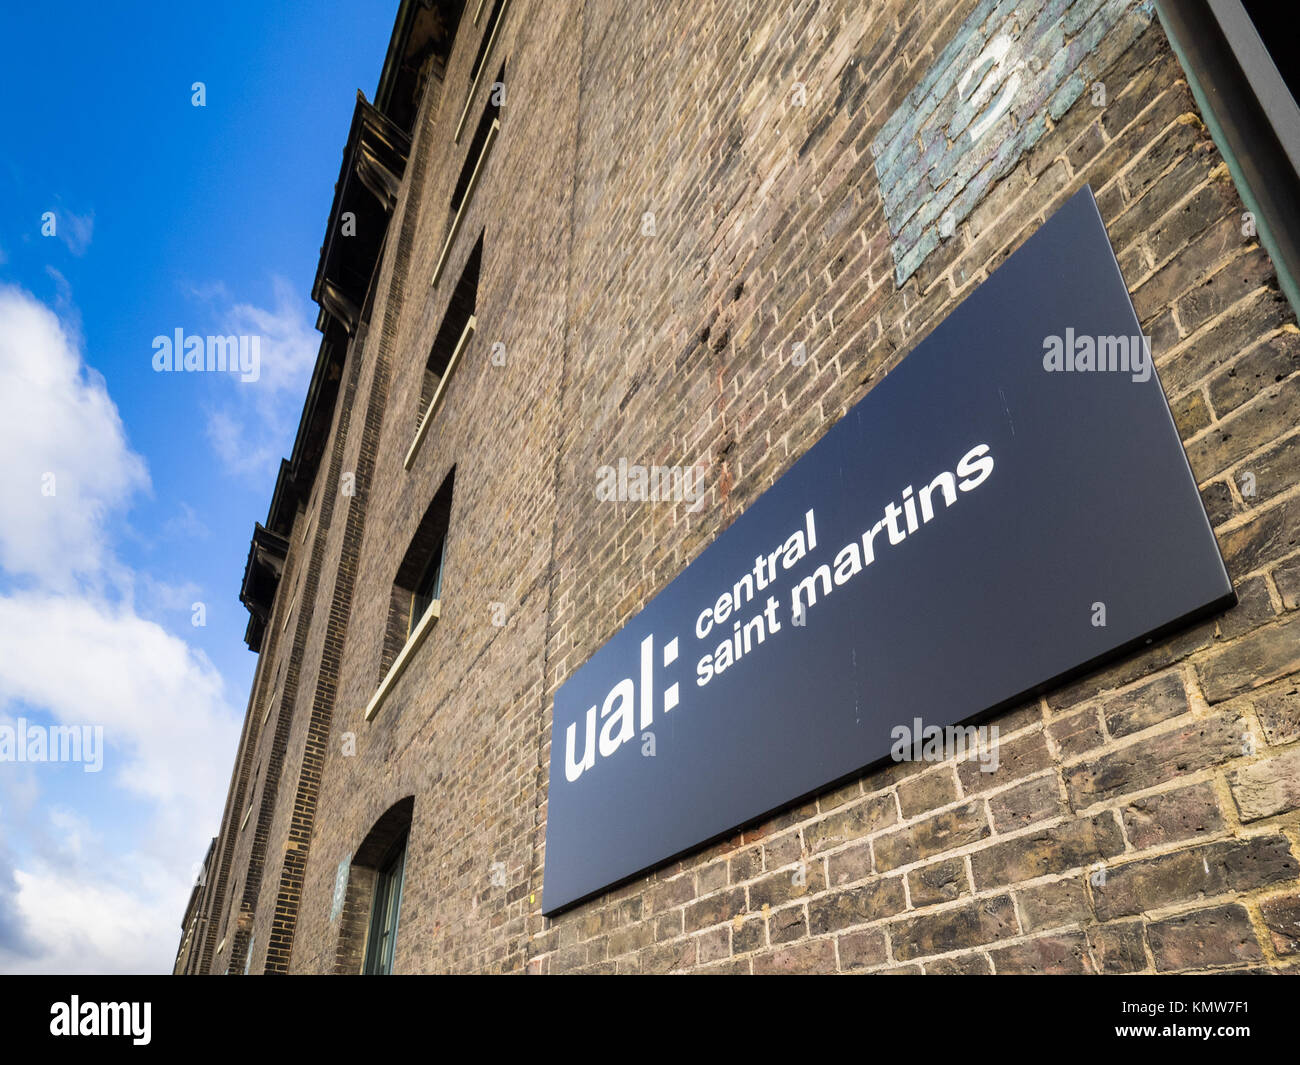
(695, 234)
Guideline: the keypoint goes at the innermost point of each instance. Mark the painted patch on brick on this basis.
(987, 100)
(340, 888)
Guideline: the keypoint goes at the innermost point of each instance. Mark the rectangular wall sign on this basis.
(1008, 506)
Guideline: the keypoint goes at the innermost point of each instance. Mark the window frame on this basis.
(386, 911)
(479, 164)
(441, 391)
(482, 60)
(1252, 117)
(434, 595)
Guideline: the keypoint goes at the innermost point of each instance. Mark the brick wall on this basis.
(681, 193)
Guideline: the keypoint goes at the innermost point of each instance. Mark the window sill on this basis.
(440, 392)
(404, 658)
(464, 203)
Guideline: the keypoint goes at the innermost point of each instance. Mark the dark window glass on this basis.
(429, 587)
(1275, 24)
(475, 150)
(383, 914)
(488, 30)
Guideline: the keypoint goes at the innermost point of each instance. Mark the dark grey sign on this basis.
(1010, 506)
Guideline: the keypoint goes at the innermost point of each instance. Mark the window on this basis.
(471, 170)
(1239, 62)
(429, 588)
(487, 125)
(449, 345)
(371, 902)
(1276, 30)
(293, 603)
(415, 603)
(252, 794)
(275, 692)
(480, 58)
(384, 910)
(489, 38)
(311, 515)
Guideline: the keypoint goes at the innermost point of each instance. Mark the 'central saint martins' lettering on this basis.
(619, 712)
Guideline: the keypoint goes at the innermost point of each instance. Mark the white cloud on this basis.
(206, 291)
(155, 598)
(245, 442)
(79, 922)
(255, 425)
(60, 433)
(15, 942)
(167, 727)
(186, 525)
(75, 648)
(289, 338)
(75, 230)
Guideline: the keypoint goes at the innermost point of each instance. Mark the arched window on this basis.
(372, 907)
(385, 908)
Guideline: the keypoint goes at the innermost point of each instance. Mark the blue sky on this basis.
(167, 216)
